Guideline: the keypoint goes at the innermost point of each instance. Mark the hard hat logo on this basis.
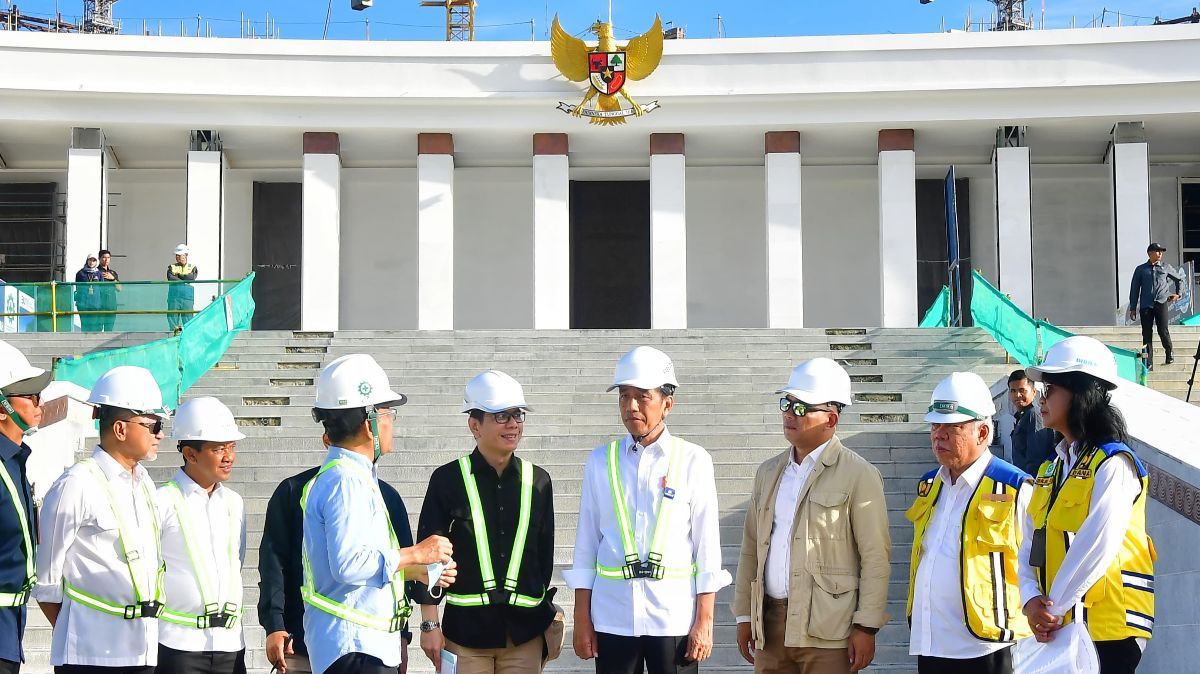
(945, 406)
(365, 388)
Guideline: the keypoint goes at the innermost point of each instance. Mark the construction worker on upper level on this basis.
(1086, 554)
(498, 511)
(963, 595)
(647, 562)
(204, 547)
(21, 386)
(354, 566)
(99, 565)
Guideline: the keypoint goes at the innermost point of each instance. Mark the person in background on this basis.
(87, 297)
(1031, 443)
(181, 297)
(1155, 286)
(107, 293)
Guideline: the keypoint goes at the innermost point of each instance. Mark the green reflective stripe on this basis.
(486, 573)
(10, 600)
(134, 563)
(514, 562)
(665, 505)
(85, 598)
(208, 591)
(618, 572)
(26, 537)
(614, 483)
(308, 591)
(521, 600)
(192, 619)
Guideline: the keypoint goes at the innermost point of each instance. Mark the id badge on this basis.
(1037, 549)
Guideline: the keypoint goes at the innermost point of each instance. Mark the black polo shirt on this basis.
(12, 554)
(447, 512)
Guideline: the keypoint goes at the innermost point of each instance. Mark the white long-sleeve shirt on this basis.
(1099, 539)
(80, 543)
(216, 521)
(777, 572)
(645, 607)
(938, 622)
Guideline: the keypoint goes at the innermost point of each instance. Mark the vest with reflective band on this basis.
(21, 596)
(401, 606)
(486, 572)
(217, 611)
(991, 538)
(1121, 603)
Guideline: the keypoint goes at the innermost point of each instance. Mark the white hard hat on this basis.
(820, 380)
(1078, 354)
(355, 381)
(963, 396)
(182, 249)
(129, 387)
(644, 367)
(17, 376)
(493, 391)
(205, 418)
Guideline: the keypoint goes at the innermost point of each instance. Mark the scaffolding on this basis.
(460, 18)
(97, 18)
(1010, 15)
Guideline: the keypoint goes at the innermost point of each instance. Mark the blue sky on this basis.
(510, 19)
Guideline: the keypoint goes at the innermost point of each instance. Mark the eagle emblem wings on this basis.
(607, 67)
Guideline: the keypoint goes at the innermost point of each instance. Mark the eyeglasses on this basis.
(389, 412)
(224, 449)
(800, 408)
(35, 398)
(155, 427)
(504, 417)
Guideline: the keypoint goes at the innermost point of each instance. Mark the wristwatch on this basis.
(430, 625)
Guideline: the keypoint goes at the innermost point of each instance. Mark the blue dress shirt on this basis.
(12, 554)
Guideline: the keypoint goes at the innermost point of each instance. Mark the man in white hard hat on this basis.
(99, 567)
(498, 511)
(203, 528)
(647, 562)
(812, 582)
(963, 590)
(181, 296)
(354, 566)
(21, 386)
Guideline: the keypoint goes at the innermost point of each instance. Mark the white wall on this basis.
(726, 247)
(493, 247)
(841, 245)
(379, 249)
(146, 221)
(983, 223)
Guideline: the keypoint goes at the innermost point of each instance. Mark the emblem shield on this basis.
(607, 71)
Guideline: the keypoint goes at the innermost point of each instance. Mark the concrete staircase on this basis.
(725, 403)
(1169, 379)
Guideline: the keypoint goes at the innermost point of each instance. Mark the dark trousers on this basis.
(94, 669)
(999, 662)
(359, 663)
(171, 661)
(10, 667)
(1118, 657)
(635, 655)
(1157, 314)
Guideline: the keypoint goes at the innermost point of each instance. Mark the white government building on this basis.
(783, 182)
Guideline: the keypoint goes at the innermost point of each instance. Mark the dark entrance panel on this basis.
(275, 257)
(610, 254)
(932, 256)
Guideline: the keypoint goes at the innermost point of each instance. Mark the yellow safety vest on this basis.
(991, 538)
(1121, 604)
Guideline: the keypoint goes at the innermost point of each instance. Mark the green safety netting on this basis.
(179, 361)
(131, 306)
(938, 315)
(1025, 338)
(1194, 319)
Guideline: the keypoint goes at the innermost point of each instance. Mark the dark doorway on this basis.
(275, 257)
(610, 254)
(932, 255)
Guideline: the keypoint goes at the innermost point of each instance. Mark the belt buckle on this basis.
(397, 623)
(402, 610)
(645, 569)
(149, 609)
(221, 619)
(498, 596)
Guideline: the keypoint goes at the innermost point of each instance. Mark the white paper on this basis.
(449, 663)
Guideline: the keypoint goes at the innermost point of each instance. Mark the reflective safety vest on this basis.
(652, 567)
(1121, 603)
(216, 613)
(20, 597)
(401, 606)
(490, 594)
(147, 601)
(991, 539)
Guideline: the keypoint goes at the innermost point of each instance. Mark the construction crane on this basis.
(1010, 15)
(460, 18)
(98, 17)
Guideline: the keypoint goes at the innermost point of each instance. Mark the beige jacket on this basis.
(840, 550)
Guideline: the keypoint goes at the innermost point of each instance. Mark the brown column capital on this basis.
(782, 141)
(666, 143)
(435, 143)
(550, 143)
(322, 142)
(897, 139)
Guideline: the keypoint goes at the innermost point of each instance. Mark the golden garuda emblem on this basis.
(607, 67)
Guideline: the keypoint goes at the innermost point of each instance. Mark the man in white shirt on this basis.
(204, 545)
(963, 592)
(99, 566)
(812, 581)
(645, 584)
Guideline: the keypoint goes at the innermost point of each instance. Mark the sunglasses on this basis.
(504, 417)
(35, 398)
(155, 427)
(799, 408)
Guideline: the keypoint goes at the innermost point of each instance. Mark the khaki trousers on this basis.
(776, 658)
(523, 659)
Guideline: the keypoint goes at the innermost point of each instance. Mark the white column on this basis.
(1130, 168)
(668, 237)
(898, 237)
(320, 270)
(1014, 224)
(435, 240)
(87, 199)
(205, 230)
(551, 239)
(785, 268)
